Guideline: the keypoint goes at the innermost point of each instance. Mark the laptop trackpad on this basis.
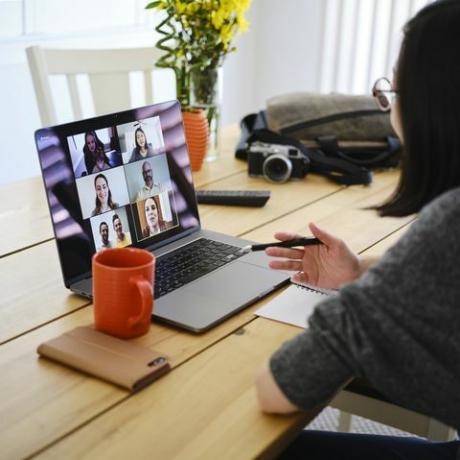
(215, 296)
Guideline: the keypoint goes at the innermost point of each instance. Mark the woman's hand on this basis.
(327, 265)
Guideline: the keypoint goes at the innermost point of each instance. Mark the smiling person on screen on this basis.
(104, 200)
(123, 238)
(155, 223)
(142, 149)
(396, 321)
(104, 232)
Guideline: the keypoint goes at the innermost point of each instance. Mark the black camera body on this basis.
(276, 162)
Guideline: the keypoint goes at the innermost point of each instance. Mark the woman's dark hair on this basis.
(109, 201)
(427, 79)
(99, 143)
(138, 147)
(90, 157)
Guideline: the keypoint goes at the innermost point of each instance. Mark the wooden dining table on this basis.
(206, 406)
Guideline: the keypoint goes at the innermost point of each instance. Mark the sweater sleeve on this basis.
(397, 326)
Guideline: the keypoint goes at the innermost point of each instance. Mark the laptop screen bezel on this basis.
(181, 175)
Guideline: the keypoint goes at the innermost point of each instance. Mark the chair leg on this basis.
(344, 422)
(437, 431)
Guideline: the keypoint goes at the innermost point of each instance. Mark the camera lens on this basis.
(277, 168)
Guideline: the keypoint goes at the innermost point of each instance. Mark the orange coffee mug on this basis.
(123, 280)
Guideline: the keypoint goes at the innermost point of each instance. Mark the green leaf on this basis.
(152, 5)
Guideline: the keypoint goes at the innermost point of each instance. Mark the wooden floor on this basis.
(205, 407)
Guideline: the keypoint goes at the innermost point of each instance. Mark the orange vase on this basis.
(196, 135)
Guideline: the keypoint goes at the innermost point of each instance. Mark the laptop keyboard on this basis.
(190, 262)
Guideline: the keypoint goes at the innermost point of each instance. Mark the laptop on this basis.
(124, 179)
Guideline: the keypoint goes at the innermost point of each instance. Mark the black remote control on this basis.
(233, 197)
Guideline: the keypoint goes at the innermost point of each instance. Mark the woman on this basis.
(153, 217)
(103, 196)
(395, 322)
(143, 149)
(93, 150)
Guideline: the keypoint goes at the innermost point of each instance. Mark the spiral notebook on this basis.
(295, 304)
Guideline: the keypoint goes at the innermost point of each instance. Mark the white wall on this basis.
(288, 46)
(52, 23)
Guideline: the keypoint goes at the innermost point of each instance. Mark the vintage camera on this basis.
(276, 162)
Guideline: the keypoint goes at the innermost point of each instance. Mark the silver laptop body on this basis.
(72, 178)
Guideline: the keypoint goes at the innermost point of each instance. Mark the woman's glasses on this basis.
(383, 93)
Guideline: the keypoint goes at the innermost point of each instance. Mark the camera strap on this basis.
(337, 169)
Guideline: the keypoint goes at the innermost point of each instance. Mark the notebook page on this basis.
(293, 306)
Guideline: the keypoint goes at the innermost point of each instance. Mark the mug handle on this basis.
(146, 292)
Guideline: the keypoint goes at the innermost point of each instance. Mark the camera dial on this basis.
(277, 168)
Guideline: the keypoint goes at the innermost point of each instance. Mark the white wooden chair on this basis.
(108, 71)
(378, 410)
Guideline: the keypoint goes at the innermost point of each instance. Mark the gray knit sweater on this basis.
(398, 326)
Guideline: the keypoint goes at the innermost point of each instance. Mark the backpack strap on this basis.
(369, 158)
(250, 123)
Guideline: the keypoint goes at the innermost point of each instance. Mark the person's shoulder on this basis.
(133, 156)
(143, 192)
(444, 208)
(435, 226)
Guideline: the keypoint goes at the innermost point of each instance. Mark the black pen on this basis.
(281, 244)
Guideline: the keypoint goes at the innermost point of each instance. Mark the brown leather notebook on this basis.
(118, 361)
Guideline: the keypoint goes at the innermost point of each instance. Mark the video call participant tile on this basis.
(154, 215)
(111, 230)
(141, 139)
(147, 177)
(103, 192)
(94, 151)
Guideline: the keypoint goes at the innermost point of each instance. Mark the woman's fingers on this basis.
(292, 265)
(284, 252)
(300, 277)
(325, 237)
(322, 235)
(285, 236)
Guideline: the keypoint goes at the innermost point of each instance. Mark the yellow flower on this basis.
(226, 33)
(209, 5)
(243, 24)
(201, 29)
(180, 6)
(217, 19)
(243, 5)
(194, 7)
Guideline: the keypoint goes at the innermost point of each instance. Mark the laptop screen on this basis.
(117, 180)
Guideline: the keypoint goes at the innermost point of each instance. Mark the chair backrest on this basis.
(108, 71)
